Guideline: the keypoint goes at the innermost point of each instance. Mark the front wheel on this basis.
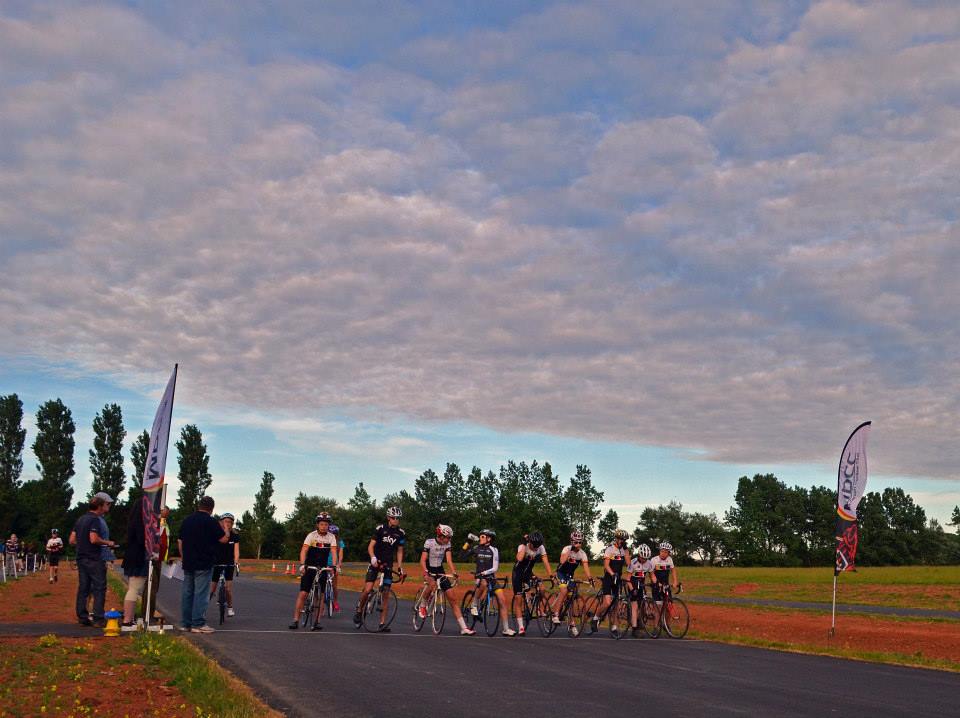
(676, 618)
(545, 616)
(371, 611)
(466, 605)
(619, 616)
(438, 611)
(491, 615)
(307, 612)
(328, 598)
(649, 617)
(222, 601)
(592, 608)
(574, 617)
(418, 621)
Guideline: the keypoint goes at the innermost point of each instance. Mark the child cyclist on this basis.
(317, 546)
(571, 557)
(639, 567)
(435, 551)
(664, 571)
(615, 557)
(528, 553)
(488, 561)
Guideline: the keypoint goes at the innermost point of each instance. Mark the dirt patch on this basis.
(856, 633)
(744, 589)
(82, 676)
(33, 599)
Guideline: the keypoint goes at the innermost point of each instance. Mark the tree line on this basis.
(770, 523)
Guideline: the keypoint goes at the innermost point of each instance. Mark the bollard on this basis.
(112, 628)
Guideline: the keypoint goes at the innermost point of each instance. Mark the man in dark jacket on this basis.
(200, 534)
(88, 537)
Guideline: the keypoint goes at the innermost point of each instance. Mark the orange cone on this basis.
(273, 568)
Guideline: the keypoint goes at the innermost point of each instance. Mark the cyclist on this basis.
(54, 551)
(527, 555)
(435, 551)
(317, 547)
(385, 546)
(488, 561)
(664, 571)
(615, 557)
(228, 557)
(335, 530)
(571, 557)
(639, 567)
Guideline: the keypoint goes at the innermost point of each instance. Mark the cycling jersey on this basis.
(387, 540)
(436, 553)
(530, 557)
(55, 545)
(225, 551)
(487, 557)
(662, 568)
(319, 545)
(574, 557)
(640, 568)
(617, 556)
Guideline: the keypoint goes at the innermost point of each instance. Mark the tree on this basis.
(583, 500)
(138, 456)
(767, 522)
(955, 518)
(302, 520)
(608, 524)
(263, 513)
(12, 437)
(53, 447)
(106, 456)
(194, 472)
(361, 519)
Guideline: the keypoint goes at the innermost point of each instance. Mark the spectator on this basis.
(135, 564)
(12, 547)
(200, 534)
(88, 537)
(163, 554)
(54, 551)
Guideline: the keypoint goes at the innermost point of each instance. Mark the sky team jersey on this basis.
(573, 560)
(55, 545)
(436, 552)
(319, 545)
(639, 569)
(617, 557)
(530, 557)
(388, 539)
(662, 567)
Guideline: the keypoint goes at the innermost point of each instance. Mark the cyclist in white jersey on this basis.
(571, 557)
(663, 571)
(615, 558)
(435, 552)
(640, 567)
(529, 553)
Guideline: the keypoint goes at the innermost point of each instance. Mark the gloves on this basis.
(373, 561)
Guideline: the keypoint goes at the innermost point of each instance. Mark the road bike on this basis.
(574, 607)
(381, 596)
(648, 612)
(534, 604)
(674, 616)
(312, 605)
(617, 613)
(487, 607)
(435, 606)
(221, 590)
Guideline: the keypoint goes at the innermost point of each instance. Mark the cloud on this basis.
(735, 237)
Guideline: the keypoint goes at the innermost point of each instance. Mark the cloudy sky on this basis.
(678, 242)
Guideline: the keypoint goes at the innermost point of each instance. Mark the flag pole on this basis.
(833, 614)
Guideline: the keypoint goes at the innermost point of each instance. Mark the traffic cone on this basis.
(273, 568)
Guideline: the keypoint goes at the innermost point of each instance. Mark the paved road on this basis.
(344, 672)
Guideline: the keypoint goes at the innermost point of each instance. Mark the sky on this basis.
(678, 243)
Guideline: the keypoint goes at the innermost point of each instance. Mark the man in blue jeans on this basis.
(199, 535)
(91, 539)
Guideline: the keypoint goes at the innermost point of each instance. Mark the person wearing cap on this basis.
(54, 551)
(200, 534)
(89, 537)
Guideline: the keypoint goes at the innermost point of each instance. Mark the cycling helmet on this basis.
(323, 516)
(535, 539)
(444, 530)
(576, 537)
(643, 551)
(489, 533)
(394, 512)
(620, 534)
(227, 515)
(54, 531)
(334, 529)
(666, 546)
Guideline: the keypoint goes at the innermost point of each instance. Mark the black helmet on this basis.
(489, 533)
(535, 539)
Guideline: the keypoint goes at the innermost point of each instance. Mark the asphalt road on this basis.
(344, 672)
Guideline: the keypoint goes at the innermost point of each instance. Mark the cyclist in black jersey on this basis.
(488, 561)
(615, 557)
(531, 550)
(385, 547)
(435, 552)
(570, 557)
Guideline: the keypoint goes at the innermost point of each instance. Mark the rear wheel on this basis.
(619, 619)
(307, 612)
(491, 615)
(592, 608)
(576, 612)
(438, 610)
(418, 620)
(649, 617)
(371, 612)
(222, 600)
(676, 618)
(328, 597)
(545, 616)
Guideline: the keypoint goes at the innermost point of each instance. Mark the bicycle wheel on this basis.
(417, 603)
(676, 618)
(545, 617)
(591, 609)
(371, 612)
(649, 617)
(574, 615)
(491, 615)
(465, 605)
(328, 597)
(306, 613)
(222, 600)
(391, 597)
(438, 611)
(619, 616)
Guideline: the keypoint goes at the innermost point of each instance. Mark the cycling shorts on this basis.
(54, 559)
(521, 580)
(306, 580)
(492, 581)
(441, 579)
(372, 572)
(227, 572)
(637, 590)
(610, 585)
(564, 579)
(657, 589)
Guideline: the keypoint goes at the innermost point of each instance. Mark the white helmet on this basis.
(666, 546)
(576, 537)
(444, 530)
(643, 551)
(394, 512)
